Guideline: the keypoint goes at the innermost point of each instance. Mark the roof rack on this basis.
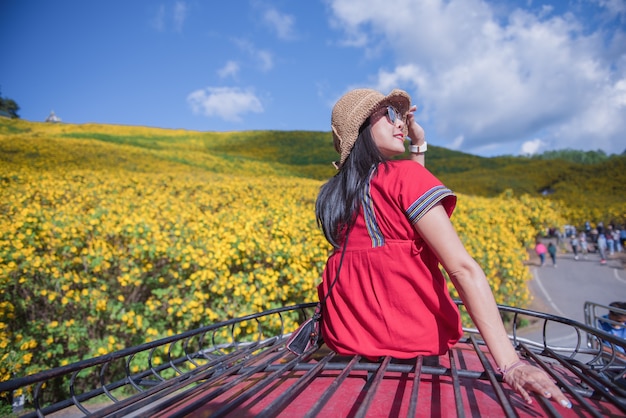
(240, 367)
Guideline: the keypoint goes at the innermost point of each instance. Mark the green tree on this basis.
(575, 156)
(9, 107)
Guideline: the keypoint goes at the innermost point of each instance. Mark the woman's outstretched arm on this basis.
(470, 281)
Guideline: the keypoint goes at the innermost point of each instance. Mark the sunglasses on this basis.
(393, 116)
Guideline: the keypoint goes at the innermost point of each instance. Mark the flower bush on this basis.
(114, 236)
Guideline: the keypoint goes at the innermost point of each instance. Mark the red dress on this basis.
(391, 298)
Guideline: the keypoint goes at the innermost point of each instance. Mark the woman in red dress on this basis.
(390, 297)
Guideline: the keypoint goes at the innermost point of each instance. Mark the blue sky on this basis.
(489, 77)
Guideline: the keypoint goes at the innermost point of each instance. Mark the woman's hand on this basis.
(525, 378)
(415, 131)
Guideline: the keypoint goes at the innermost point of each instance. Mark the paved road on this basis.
(564, 289)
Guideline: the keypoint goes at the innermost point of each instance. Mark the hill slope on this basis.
(599, 187)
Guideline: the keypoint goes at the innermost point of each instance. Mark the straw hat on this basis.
(353, 109)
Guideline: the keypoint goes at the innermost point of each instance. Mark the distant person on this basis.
(584, 247)
(617, 237)
(574, 243)
(610, 242)
(601, 246)
(541, 251)
(593, 237)
(615, 323)
(600, 227)
(552, 252)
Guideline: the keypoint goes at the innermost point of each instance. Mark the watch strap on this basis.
(418, 149)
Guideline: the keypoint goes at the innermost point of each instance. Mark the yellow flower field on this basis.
(108, 245)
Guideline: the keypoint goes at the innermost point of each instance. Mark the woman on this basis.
(541, 251)
(390, 297)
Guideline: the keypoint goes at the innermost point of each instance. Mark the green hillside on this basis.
(591, 191)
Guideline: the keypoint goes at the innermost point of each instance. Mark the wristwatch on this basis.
(418, 149)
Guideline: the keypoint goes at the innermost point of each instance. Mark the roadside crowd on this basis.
(604, 240)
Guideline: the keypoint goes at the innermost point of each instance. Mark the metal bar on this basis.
(558, 319)
(36, 398)
(103, 385)
(73, 394)
(50, 409)
(458, 400)
(152, 369)
(128, 373)
(415, 389)
(10, 385)
(559, 380)
(198, 402)
(604, 380)
(260, 385)
(548, 407)
(283, 400)
(319, 404)
(206, 371)
(508, 409)
(600, 385)
(373, 384)
(225, 373)
(392, 367)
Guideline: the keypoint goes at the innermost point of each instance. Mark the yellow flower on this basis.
(101, 305)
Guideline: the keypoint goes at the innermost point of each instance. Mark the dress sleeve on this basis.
(420, 190)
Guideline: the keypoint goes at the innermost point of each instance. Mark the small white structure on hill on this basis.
(52, 117)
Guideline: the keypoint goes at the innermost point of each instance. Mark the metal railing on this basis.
(226, 368)
(594, 313)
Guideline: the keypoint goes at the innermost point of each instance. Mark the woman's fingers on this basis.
(415, 130)
(525, 394)
(550, 390)
(529, 378)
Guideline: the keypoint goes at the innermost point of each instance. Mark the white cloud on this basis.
(180, 14)
(615, 8)
(158, 22)
(496, 81)
(263, 58)
(228, 103)
(230, 69)
(531, 147)
(282, 24)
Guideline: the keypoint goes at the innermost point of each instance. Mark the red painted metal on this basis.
(254, 376)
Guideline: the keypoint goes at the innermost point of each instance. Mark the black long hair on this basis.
(339, 199)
